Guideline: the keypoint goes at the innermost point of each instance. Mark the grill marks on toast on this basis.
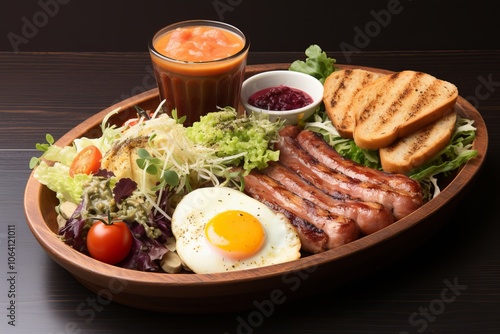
(340, 88)
(398, 104)
(403, 114)
(414, 150)
(393, 103)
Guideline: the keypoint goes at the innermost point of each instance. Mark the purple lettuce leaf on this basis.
(146, 253)
(159, 220)
(74, 232)
(104, 173)
(123, 189)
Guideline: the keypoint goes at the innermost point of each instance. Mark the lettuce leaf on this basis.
(64, 155)
(317, 63)
(57, 179)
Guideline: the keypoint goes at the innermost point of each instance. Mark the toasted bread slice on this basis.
(414, 150)
(339, 89)
(398, 104)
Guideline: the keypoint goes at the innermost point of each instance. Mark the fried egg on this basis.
(220, 229)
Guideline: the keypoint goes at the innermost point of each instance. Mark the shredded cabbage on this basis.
(169, 149)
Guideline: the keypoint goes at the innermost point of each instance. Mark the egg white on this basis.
(195, 210)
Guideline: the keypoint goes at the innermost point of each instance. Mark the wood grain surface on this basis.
(53, 92)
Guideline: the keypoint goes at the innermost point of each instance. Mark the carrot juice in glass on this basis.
(199, 66)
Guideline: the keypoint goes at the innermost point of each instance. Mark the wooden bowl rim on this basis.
(82, 265)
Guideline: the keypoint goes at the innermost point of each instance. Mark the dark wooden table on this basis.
(53, 92)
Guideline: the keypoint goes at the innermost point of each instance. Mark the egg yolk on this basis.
(236, 233)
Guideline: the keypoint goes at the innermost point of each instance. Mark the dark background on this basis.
(348, 26)
(37, 89)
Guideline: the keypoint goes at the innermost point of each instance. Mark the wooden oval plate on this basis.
(244, 290)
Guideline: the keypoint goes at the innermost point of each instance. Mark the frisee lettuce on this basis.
(246, 139)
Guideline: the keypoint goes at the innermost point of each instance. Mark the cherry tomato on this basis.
(109, 242)
(88, 161)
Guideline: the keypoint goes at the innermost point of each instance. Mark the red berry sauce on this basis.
(280, 98)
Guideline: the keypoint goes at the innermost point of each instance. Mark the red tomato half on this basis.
(109, 243)
(88, 161)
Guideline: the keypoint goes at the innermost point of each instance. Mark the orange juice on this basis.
(199, 66)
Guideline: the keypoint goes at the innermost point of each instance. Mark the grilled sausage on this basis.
(340, 230)
(340, 185)
(370, 216)
(312, 239)
(316, 146)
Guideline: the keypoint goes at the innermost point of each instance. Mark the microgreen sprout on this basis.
(153, 166)
(35, 161)
(175, 117)
(147, 162)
